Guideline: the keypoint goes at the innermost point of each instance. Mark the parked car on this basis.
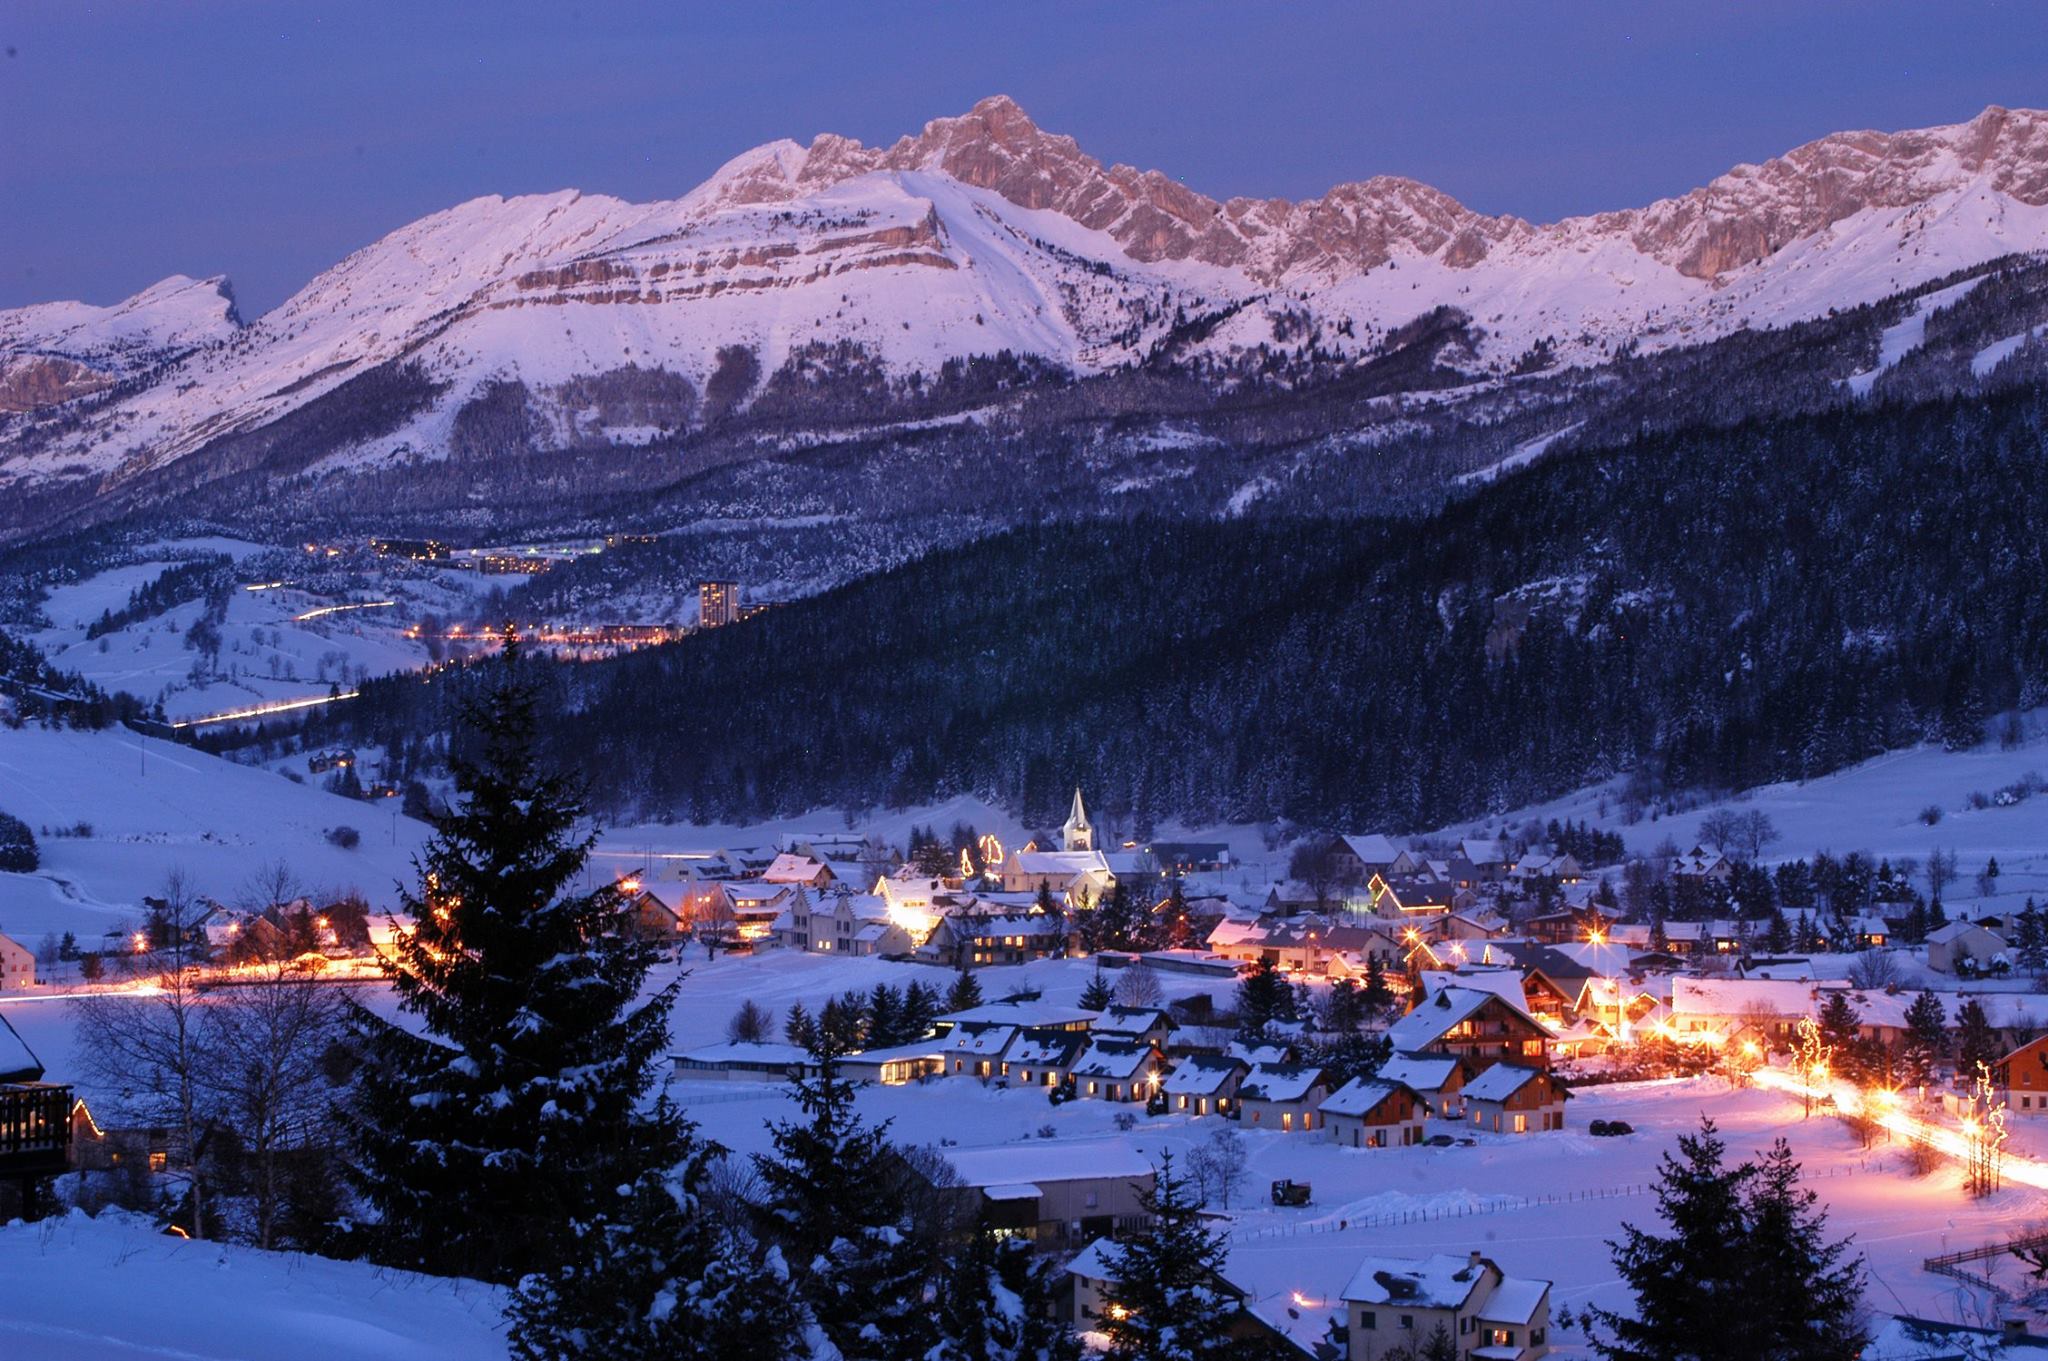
(1440, 1141)
(1290, 1193)
(1610, 1128)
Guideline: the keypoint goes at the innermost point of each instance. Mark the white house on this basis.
(1369, 1113)
(1949, 948)
(1396, 1304)
(1283, 1096)
(1204, 1084)
(17, 966)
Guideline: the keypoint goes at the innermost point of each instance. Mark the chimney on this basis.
(1473, 1258)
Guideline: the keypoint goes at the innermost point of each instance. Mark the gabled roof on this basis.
(1360, 1096)
(1372, 850)
(1955, 931)
(1500, 1082)
(1514, 1300)
(1427, 1023)
(18, 1062)
(1438, 1282)
(1120, 1059)
(982, 1039)
(1116, 1020)
(790, 868)
(1421, 1073)
(1279, 1082)
(1046, 1161)
(1202, 1074)
(1045, 1047)
(1020, 1014)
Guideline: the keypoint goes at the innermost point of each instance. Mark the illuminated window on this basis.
(1521, 1124)
(159, 1161)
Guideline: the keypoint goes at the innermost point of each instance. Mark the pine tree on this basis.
(885, 1017)
(1685, 1283)
(1926, 1038)
(1262, 998)
(1778, 938)
(798, 1027)
(1377, 996)
(1839, 1025)
(1976, 1041)
(1801, 1289)
(478, 1141)
(920, 1009)
(995, 1304)
(1096, 996)
(1167, 1299)
(655, 1276)
(965, 994)
(830, 1193)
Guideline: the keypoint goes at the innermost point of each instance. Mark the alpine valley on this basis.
(1212, 436)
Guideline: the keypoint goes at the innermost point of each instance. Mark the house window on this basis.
(1090, 1201)
(1368, 1319)
(1521, 1124)
(1533, 1048)
(1500, 1337)
(1287, 1120)
(159, 1161)
(1408, 1322)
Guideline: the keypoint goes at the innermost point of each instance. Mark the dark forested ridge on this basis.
(1723, 606)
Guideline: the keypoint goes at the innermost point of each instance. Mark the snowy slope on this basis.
(115, 1289)
(152, 807)
(984, 233)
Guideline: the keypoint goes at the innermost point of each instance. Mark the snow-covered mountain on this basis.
(982, 234)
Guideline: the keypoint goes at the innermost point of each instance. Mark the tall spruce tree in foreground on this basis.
(510, 1106)
(652, 1276)
(831, 1200)
(1167, 1301)
(995, 1304)
(1745, 1273)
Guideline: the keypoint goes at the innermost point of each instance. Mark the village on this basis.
(1381, 1002)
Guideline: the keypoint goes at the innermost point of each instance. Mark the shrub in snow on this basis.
(1931, 814)
(348, 838)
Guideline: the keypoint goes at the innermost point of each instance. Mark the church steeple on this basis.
(1079, 833)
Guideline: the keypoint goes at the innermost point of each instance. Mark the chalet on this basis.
(1043, 1015)
(1963, 948)
(1283, 1096)
(843, 924)
(1510, 1099)
(1477, 1026)
(1117, 1070)
(1148, 1025)
(1492, 859)
(742, 1062)
(1368, 1113)
(1042, 1057)
(35, 1127)
(1064, 1192)
(975, 1048)
(1565, 869)
(1394, 1305)
(745, 912)
(1414, 899)
(1471, 924)
(1357, 859)
(1204, 1084)
(658, 911)
(974, 939)
(1259, 1053)
(1721, 1007)
(801, 870)
(1702, 864)
(1438, 1079)
(17, 966)
(1073, 877)
(2022, 1076)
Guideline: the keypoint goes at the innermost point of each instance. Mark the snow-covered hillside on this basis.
(985, 234)
(115, 813)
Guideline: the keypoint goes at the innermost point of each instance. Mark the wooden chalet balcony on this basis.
(35, 1129)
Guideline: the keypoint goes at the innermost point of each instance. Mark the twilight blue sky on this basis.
(267, 141)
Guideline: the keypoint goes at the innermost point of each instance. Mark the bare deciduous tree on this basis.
(1139, 987)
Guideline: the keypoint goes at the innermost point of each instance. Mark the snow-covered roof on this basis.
(1056, 862)
(1257, 1055)
(1373, 850)
(1956, 931)
(1514, 1300)
(1504, 982)
(789, 868)
(1041, 1161)
(988, 1040)
(747, 1054)
(1201, 1074)
(1113, 1059)
(1359, 1096)
(1279, 1082)
(1441, 1281)
(1481, 852)
(1021, 1013)
(1045, 1046)
(1741, 996)
(1420, 1072)
(1130, 1020)
(18, 1062)
(1428, 1022)
(1500, 1082)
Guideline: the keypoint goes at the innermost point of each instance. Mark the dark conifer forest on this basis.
(1716, 607)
